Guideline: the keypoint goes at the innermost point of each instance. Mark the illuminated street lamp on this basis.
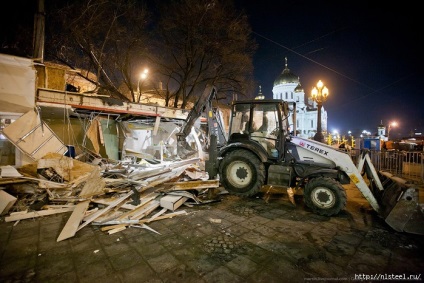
(319, 94)
(392, 124)
(143, 76)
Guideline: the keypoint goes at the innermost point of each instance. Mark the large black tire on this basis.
(242, 173)
(325, 196)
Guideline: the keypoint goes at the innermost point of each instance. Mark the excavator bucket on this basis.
(407, 215)
(400, 205)
(184, 150)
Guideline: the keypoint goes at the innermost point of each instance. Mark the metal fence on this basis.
(408, 165)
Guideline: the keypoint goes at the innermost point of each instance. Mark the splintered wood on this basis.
(130, 198)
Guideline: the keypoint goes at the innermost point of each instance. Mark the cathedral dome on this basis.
(286, 77)
(298, 88)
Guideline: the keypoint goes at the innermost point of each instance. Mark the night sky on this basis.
(369, 57)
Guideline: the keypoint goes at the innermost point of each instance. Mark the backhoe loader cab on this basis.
(260, 151)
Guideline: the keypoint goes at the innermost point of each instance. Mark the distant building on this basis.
(287, 87)
(381, 131)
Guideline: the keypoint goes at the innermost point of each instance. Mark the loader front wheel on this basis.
(242, 173)
(325, 196)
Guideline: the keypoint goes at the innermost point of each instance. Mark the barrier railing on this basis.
(406, 164)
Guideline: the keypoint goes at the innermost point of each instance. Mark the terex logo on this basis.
(317, 149)
(302, 144)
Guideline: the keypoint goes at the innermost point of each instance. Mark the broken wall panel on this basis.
(33, 137)
(110, 138)
(93, 135)
(6, 202)
(17, 84)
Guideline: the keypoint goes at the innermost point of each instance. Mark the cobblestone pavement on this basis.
(261, 239)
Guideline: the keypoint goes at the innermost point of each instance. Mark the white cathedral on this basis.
(288, 88)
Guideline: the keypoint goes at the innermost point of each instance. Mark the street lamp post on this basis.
(143, 76)
(392, 124)
(319, 94)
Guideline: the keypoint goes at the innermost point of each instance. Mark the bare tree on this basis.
(104, 37)
(202, 42)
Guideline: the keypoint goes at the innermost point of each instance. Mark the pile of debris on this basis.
(116, 196)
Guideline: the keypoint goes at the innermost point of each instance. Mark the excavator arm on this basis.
(203, 104)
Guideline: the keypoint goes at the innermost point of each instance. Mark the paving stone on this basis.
(21, 247)
(236, 230)
(127, 259)
(25, 229)
(98, 271)
(351, 239)
(53, 263)
(235, 219)
(242, 266)
(139, 273)
(202, 263)
(222, 274)
(325, 269)
(49, 242)
(87, 256)
(17, 267)
(148, 251)
(181, 273)
(117, 247)
(66, 277)
(278, 270)
(258, 240)
(163, 262)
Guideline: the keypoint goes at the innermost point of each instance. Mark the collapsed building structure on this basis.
(78, 151)
(80, 121)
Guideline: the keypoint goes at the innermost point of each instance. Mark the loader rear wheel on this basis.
(242, 173)
(325, 196)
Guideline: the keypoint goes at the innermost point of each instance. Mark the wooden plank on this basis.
(152, 206)
(153, 218)
(106, 228)
(165, 216)
(5, 181)
(6, 202)
(104, 210)
(9, 172)
(141, 206)
(127, 206)
(117, 222)
(156, 128)
(49, 184)
(192, 185)
(147, 173)
(158, 214)
(196, 175)
(37, 214)
(116, 230)
(73, 222)
(154, 181)
(94, 184)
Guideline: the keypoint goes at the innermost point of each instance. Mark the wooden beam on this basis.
(37, 214)
(192, 185)
(74, 221)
